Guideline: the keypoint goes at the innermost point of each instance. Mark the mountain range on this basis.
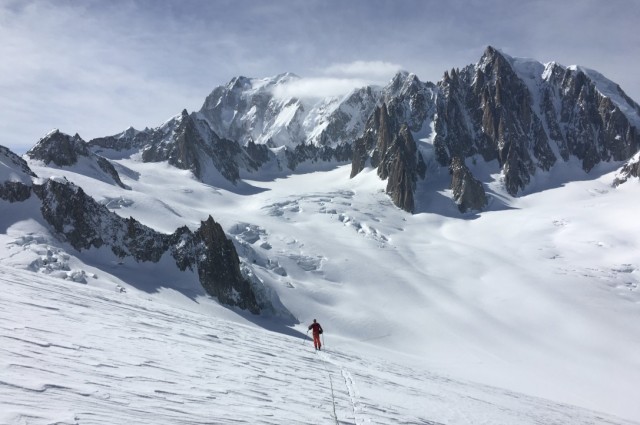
(518, 116)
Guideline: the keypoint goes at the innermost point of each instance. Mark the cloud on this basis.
(97, 67)
(311, 88)
(368, 70)
(340, 79)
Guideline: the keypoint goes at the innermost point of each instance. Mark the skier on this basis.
(317, 331)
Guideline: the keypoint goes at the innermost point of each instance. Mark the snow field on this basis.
(538, 295)
(75, 354)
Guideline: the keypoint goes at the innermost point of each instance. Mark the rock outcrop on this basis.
(524, 115)
(629, 170)
(391, 149)
(15, 177)
(66, 151)
(79, 220)
(468, 192)
(82, 222)
(528, 116)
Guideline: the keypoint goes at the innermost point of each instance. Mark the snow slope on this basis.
(436, 317)
(81, 355)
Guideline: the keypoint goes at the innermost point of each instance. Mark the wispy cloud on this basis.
(339, 79)
(367, 70)
(312, 88)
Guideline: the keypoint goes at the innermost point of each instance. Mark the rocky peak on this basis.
(219, 267)
(239, 83)
(398, 82)
(529, 116)
(59, 148)
(390, 147)
(63, 150)
(401, 164)
(78, 219)
(468, 192)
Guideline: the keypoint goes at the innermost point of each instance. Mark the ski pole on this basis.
(305, 338)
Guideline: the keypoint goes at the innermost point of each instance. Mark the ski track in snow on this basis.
(74, 354)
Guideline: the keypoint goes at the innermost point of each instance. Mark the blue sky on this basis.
(98, 67)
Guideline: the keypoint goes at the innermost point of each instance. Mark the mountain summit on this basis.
(519, 114)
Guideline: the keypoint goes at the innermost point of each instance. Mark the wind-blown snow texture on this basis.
(80, 355)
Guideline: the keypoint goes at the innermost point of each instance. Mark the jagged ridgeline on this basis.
(520, 114)
(517, 117)
(79, 220)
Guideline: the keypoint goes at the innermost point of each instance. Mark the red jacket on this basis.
(316, 328)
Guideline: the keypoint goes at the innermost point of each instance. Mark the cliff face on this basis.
(82, 222)
(15, 177)
(79, 220)
(525, 115)
(529, 116)
(468, 192)
(391, 149)
(66, 151)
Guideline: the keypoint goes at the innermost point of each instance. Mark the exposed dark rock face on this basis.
(185, 150)
(400, 164)
(522, 113)
(468, 192)
(188, 143)
(14, 191)
(259, 154)
(219, 267)
(377, 137)
(17, 187)
(312, 153)
(82, 222)
(388, 142)
(63, 150)
(128, 139)
(487, 110)
(411, 101)
(59, 148)
(390, 148)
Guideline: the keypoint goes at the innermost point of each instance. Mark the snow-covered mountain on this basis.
(261, 110)
(78, 220)
(519, 115)
(509, 294)
(61, 150)
(529, 116)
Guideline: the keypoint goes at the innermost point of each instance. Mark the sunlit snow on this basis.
(526, 313)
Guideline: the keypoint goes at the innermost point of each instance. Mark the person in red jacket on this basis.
(317, 330)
